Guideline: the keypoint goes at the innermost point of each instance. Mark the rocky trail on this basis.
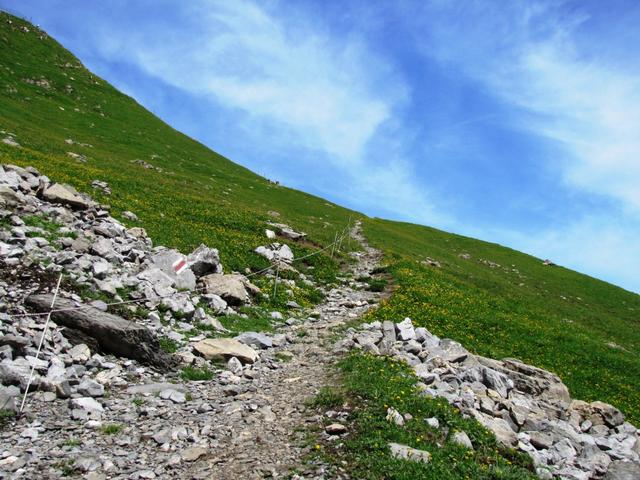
(107, 402)
(246, 423)
(265, 442)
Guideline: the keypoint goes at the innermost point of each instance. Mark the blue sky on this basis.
(515, 122)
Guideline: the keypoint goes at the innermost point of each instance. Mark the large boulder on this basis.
(113, 334)
(224, 349)
(530, 379)
(204, 260)
(67, 195)
(164, 260)
(233, 288)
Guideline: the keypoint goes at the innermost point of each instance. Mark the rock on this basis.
(234, 365)
(165, 261)
(90, 388)
(30, 433)
(393, 416)
(389, 332)
(58, 193)
(79, 353)
(10, 141)
(153, 388)
(175, 396)
(255, 339)
(112, 333)
(404, 452)
(193, 454)
(335, 429)
(215, 302)
(14, 341)
(130, 216)
(610, 414)
(433, 422)
(225, 348)
(162, 437)
(17, 372)
(10, 196)
(231, 288)
(276, 252)
(204, 260)
(406, 331)
(620, 470)
(462, 439)
(450, 351)
(530, 379)
(541, 440)
(101, 269)
(497, 381)
(270, 234)
(85, 408)
(500, 428)
(287, 231)
(9, 398)
(11, 179)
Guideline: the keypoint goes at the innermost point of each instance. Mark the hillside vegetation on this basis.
(502, 303)
(77, 128)
(497, 302)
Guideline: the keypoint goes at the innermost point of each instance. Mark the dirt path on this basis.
(266, 445)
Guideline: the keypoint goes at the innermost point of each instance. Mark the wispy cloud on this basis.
(331, 95)
(531, 55)
(332, 92)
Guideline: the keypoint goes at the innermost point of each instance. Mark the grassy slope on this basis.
(549, 316)
(199, 197)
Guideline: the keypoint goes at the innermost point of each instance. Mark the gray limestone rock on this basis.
(204, 260)
(112, 333)
(405, 452)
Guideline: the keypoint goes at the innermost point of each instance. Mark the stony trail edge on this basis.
(268, 441)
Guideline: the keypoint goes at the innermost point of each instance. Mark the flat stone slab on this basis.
(224, 349)
(114, 334)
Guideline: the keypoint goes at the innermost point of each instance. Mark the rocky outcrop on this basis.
(524, 406)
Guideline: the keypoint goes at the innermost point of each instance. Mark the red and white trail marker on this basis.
(179, 265)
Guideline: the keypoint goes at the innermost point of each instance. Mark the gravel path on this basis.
(246, 423)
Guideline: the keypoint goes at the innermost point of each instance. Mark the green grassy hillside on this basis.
(494, 300)
(502, 303)
(192, 195)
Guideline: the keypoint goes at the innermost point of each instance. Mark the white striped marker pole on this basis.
(44, 333)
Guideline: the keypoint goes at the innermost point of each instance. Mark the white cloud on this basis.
(533, 58)
(328, 94)
(333, 93)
